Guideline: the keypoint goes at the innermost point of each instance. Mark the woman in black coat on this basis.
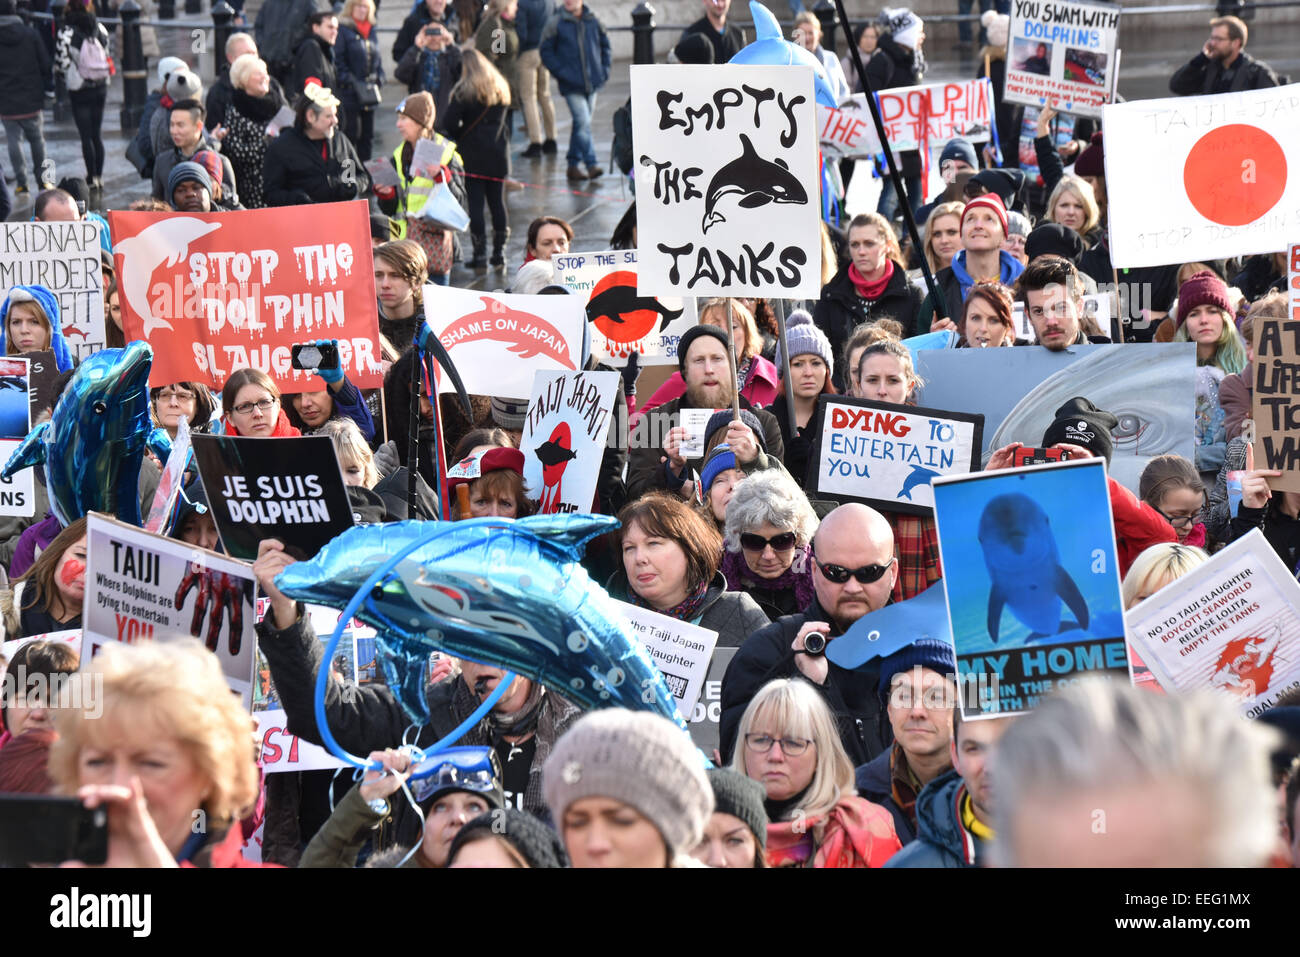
(357, 62)
(253, 105)
(478, 119)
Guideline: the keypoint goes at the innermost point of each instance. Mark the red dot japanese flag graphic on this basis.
(1204, 177)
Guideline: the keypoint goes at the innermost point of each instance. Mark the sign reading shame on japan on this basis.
(726, 180)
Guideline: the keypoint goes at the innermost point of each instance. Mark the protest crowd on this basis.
(712, 457)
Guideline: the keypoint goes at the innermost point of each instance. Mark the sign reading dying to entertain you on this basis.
(726, 181)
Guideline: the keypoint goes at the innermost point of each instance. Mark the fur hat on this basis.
(997, 26)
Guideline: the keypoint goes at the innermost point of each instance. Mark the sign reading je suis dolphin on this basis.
(726, 180)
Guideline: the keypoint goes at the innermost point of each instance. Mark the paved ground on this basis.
(596, 207)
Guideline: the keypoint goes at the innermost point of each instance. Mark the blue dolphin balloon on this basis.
(92, 446)
(497, 591)
(773, 49)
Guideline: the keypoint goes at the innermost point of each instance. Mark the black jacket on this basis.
(296, 173)
(481, 135)
(218, 101)
(1202, 75)
(314, 57)
(26, 71)
(840, 311)
(874, 783)
(725, 44)
(851, 695)
(732, 614)
(410, 70)
(417, 20)
(909, 70)
(798, 446)
(280, 27)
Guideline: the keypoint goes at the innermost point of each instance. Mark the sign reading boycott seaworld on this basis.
(216, 292)
(1062, 53)
(726, 174)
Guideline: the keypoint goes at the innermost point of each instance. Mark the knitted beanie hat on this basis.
(1053, 239)
(927, 652)
(1202, 289)
(1018, 224)
(719, 460)
(693, 333)
(804, 338)
(183, 85)
(959, 148)
(509, 414)
(1092, 159)
(419, 107)
(723, 418)
(1079, 422)
(186, 171)
(639, 758)
(741, 797)
(536, 843)
(989, 201)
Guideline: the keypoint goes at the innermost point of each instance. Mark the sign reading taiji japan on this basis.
(726, 180)
(564, 437)
(1223, 186)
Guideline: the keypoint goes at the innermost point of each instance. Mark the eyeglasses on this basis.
(178, 395)
(1179, 521)
(866, 574)
(262, 405)
(790, 747)
(756, 543)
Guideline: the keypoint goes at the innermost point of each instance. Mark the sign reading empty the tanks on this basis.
(726, 180)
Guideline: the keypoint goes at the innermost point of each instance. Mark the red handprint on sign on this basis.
(217, 593)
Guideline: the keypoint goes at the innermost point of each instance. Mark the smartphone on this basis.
(1026, 456)
(308, 356)
(43, 829)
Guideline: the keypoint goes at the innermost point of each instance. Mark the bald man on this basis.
(854, 572)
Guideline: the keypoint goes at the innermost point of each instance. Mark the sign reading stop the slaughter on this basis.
(217, 292)
(1062, 53)
(1222, 186)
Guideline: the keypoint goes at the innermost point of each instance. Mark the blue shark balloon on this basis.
(501, 592)
(773, 49)
(93, 444)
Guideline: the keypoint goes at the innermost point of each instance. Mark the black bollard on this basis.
(166, 9)
(57, 10)
(223, 25)
(135, 71)
(643, 33)
(193, 6)
(825, 13)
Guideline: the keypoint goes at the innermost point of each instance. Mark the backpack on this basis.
(622, 147)
(91, 64)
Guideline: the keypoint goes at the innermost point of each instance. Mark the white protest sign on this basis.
(1222, 186)
(70, 637)
(564, 437)
(1062, 53)
(705, 720)
(681, 651)
(622, 320)
(17, 494)
(914, 117)
(64, 258)
(694, 421)
(142, 587)
(727, 188)
(282, 751)
(1230, 624)
(498, 341)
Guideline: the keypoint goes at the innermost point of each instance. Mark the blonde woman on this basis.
(477, 118)
(788, 742)
(361, 470)
(1074, 204)
(943, 234)
(360, 71)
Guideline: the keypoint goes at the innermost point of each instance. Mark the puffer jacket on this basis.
(941, 839)
(577, 52)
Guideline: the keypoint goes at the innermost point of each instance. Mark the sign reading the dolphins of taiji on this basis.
(564, 437)
(1223, 187)
(726, 180)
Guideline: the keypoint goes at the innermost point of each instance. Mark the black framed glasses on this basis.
(1180, 521)
(756, 543)
(263, 405)
(790, 747)
(867, 574)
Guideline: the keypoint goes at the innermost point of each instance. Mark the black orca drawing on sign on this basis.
(758, 181)
(618, 301)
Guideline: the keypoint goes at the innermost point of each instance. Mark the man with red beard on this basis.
(654, 448)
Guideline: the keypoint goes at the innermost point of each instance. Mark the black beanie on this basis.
(536, 843)
(741, 797)
(1007, 183)
(693, 333)
(1079, 422)
(1053, 239)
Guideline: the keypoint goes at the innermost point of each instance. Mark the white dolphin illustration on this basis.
(165, 241)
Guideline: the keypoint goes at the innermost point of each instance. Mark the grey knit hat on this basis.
(804, 338)
(639, 758)
(742, 798)
(509, 414)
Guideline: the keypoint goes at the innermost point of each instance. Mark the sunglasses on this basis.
(756, 543)
(866, 574)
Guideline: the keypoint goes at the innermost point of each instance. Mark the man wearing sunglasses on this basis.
(854, 572)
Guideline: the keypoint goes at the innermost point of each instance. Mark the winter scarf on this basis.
(855, 833)
(282, 430)
(798, 577)
(684, 610)
(871, 291)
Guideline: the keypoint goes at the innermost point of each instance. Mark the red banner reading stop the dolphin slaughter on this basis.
(217, 292)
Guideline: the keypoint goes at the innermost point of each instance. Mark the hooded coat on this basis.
(50, 306)
(26, 71)
(954, 282)
(941, 840)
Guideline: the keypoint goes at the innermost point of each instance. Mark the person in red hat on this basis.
(495, 477)
(982, 258)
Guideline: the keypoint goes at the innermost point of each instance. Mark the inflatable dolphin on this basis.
(502, 592)
(772, 48)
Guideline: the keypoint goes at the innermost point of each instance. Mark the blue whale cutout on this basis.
(771, 48)
(507, 593)
(886, 630)
(92, 446)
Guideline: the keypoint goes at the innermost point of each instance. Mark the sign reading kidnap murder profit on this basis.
(64, 258)
(216, 292)
(145, 587)
(1229, 624)
(681, 651)
(1031, 580)
(726, 181)
(564, 437)
(620, 319)
(498, 340)
(886, 455)
(1275, 407)
(1063, 53)
(915, 117)
(289, 489)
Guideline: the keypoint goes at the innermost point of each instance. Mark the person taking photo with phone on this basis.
(340, 399)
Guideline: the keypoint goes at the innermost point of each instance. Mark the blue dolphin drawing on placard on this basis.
(1025, 565)
(920, 476)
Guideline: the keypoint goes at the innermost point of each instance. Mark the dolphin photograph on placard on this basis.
(1031, 577)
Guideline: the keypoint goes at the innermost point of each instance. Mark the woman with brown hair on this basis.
(49, 595)
(986, 317)
(250, 403)
(495, 477)
(671, 556)
(192, 400)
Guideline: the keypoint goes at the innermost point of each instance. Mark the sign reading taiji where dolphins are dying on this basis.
(622, 320)
(727, 187)
(564, 437)
(1031, 581)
